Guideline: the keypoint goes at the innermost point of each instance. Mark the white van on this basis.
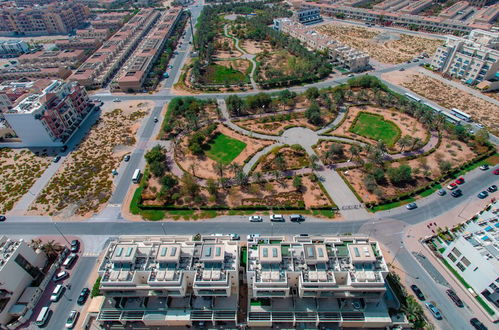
(57, 293)
(43, 317)
(69, 261)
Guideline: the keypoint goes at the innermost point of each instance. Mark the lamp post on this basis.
(163, 227)
(60, 232)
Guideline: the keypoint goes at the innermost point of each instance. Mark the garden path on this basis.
(246, 56)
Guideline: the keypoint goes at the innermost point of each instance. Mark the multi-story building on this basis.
(308, 15)
(20, 266)
(89, 44)
(104, 63)
(470, 59)
(169, 281)
(316, 282)
(19, 72)
(474, 255)
(52, 58)
(13, 48)
(55, 18)
(338, 53)
(27, 3)
(51, 117)
(133, 74)
(12, 92)
(110, 21)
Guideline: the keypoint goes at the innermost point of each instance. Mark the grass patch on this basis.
(390, 206)
(430, 191)
(219, 74)
(96, 288)
(225, 149)
(376, 127)
(324, 213)
(244, 256)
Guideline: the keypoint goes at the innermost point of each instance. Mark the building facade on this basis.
(51, 117)
(315, 282)
(20, 265)
(169, 281)
(471, 59)
(308, 15)
(13, 48)
(52, 58)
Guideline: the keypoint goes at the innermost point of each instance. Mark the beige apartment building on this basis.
(52, 59)
(20, 265)
(318, 281)
(339, 54)
(169, 281)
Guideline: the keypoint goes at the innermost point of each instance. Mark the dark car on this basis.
(417, 292)
(483, 194)
(75, 245)
(477, 324)
(456, 193)
(2, 218)
(83, 296)
(492, 188)
(297, 218)
(453, 296)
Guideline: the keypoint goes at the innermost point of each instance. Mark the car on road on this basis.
(64, 148)
(411, 206)
(277, 218)
(483, 194)
(2, 218)
(350, 75)
(235, 237)
(457, 193)
(401, 69)
(452, 186)
(126, 158)
(72, 318)
(116, 100)
(477, 324)
(434, 311)
(82, 298)
(453, 296)
(255, 218)
(441, 192)
(57, 293)
(460, 180)
(170, 66)
(60, 276)
(75, 245)
(484, 167)
(56, 159)
(155, 119)
(417, 291)
(297, 218)
(114, 172)
(479, 125)
(496, 171)
(490, 189)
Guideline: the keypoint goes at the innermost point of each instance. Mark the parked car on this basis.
(116, 100)
(483, 194)
(460, 180)
(350, 75)
(114, 172)
(57, 293)
(72, 318)
(277, 218)
(417, 291)
(255, 218)
(411, 206)
(452, 186)
(56, 159)
(155, 119)
(477, 324)
(441, 192)
(70, 260)
(75, 245)
(490, 189)
(297, 218)
(496, 171)
(457, 193)
(401, 69)
(434, 311)
(2, 218)
(484, 167)
(126, 158)
(60, 276)
(453, 296)
(479, 125)
(235, 237)
(83, 296)
(252, 236)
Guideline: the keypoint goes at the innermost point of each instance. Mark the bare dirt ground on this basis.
(253, 47)
(84, 182)
(323, 146)
(293, 159)
(203, 166)
(19, 169)
(447, 96)
(240, 65)
(391, 48)
(228, 53)
(407, 124)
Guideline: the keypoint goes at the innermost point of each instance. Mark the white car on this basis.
(479, 125)
(72, 318)
(60, 276)
(255, 218)
(116, 100)
(277, 218)
(250, 237)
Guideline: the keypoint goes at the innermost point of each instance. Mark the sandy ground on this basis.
(19, 169)
(294, 159)
(84, 182)
(253, 47)
(203, 166)
(323, 146)
(233, 52)
(385, 47)
(447, 96)
(408, 125)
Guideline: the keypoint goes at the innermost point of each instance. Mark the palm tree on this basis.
(355, 151)
(404, 141)
(415, 141)
(280, 162)
(36, 243)
(51, 249)
(381, 146)
(257, 177)
(235, 167)
(219, 167)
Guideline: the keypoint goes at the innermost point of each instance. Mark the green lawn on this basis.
(225, 149)
(219, 74)
(375, 127)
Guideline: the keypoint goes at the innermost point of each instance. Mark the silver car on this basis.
(255, 218)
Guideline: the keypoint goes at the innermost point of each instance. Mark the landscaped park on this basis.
(273, 153)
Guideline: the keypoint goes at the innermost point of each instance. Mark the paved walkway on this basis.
(246, 56)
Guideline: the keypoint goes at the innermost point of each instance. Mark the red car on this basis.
(460, 180)
(496, 171)
(452, 186)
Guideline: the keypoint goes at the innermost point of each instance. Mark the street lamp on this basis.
(395, 256)
(60, 232)
(163, 227)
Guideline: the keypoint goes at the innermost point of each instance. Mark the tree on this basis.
(312, 93)
(335, 150)
(280, 162)
(257, 176)
(355, 151)
(444, 166)
(297, 182)
(313, 114)
(157, 168)
(314, 162)
(379, 175)
(461, 133)
(400, 175)
(189, 185)
(219, 167)
(212, 186)
(52, 249)
(482, 136)
(404, 141)
(235, 105)
(156, 154)
(241, 178)
(168, 182)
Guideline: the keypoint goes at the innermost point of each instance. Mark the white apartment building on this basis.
(169, 281)
(20, 265)
(316, 281)
(339, 54)
(12, 48)
(469, 59)
(474, 255)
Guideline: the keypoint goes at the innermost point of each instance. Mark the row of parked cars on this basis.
(278, 218)
(71, 257)
(436, 312)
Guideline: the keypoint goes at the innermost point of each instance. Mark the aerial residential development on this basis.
(215, 164)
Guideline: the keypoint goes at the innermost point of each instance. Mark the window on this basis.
(456, 252)
(465, 261)
(451, 257)
(460, 266)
